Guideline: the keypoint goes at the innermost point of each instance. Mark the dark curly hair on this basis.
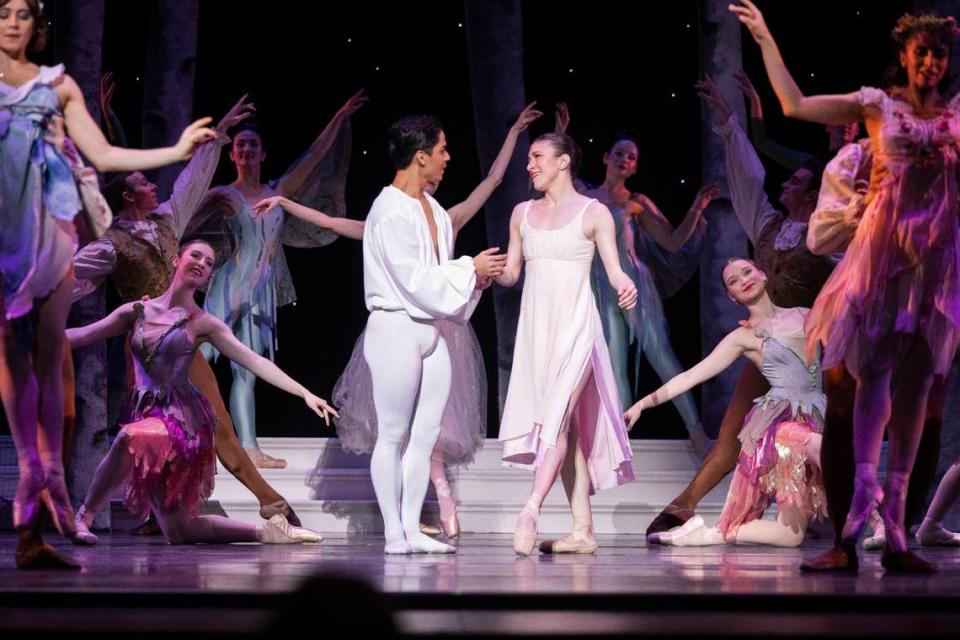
(944, 31)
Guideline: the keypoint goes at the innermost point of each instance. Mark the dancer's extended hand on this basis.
(192, 137)
(320, 407)
(631, 415)
(752, 19)
(561, 118)
(626, 292)
(709, 92)
(705, 195)
(528, 115)
(488, 263)
(266, 205)
(237, 114)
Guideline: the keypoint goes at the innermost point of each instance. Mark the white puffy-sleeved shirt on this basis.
(400, 269)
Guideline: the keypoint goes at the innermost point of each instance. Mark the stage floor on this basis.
(136, 584)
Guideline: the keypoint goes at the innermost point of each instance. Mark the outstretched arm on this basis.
(294, 177)
(104, 156)
(724, 354)
(825, 109)
(461, 214)
(341, 226)
(214, 330)
(113, 325)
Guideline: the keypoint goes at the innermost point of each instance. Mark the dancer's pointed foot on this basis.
(840, 557)
(57, 499)
(571, 543)
(694, 533)
(935, 535)
(277, 530)
(431, 530)
(26, 501)
(878, 539)
(83, 537)
(866, 496)
(525, 535)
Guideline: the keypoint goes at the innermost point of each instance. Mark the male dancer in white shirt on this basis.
(410, 280)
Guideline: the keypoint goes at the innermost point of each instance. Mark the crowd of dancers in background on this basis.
(852, 297)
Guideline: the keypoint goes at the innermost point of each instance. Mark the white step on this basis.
(490, 494)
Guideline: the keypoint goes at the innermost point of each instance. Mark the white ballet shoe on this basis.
(420, 543)
(277, 530)
(83, 537)
(937, 536)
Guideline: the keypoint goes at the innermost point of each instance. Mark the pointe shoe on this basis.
(57, 499)
(26, 502)
(524, 540)
(83, 537)
(878, 540)
(277, 530)
(575, 542)
(451, 525)
(668, 537)
(937, 536)
(263, 461)
(867, 496)
(670, 518)
(282, 507)
(431, 530)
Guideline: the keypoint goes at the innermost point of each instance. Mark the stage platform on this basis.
(142, 588)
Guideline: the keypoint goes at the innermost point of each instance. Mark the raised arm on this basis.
(656, 224)
(218, 334)
(112, 125)
(294, 177)
(194, 180)
(106, 157)
(461, 214)
(113, 325)
(341, 226)
(724, 354)
(599, 225)
(825, 109)
(790, 159)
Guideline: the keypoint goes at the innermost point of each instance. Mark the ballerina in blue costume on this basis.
(254, 282)
(38, 203)
(659, 244)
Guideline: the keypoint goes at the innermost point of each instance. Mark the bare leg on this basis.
(232, 456)
(576, 483)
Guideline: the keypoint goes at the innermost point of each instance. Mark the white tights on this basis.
(410, 368)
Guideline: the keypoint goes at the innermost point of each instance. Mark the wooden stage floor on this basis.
(135, 585)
